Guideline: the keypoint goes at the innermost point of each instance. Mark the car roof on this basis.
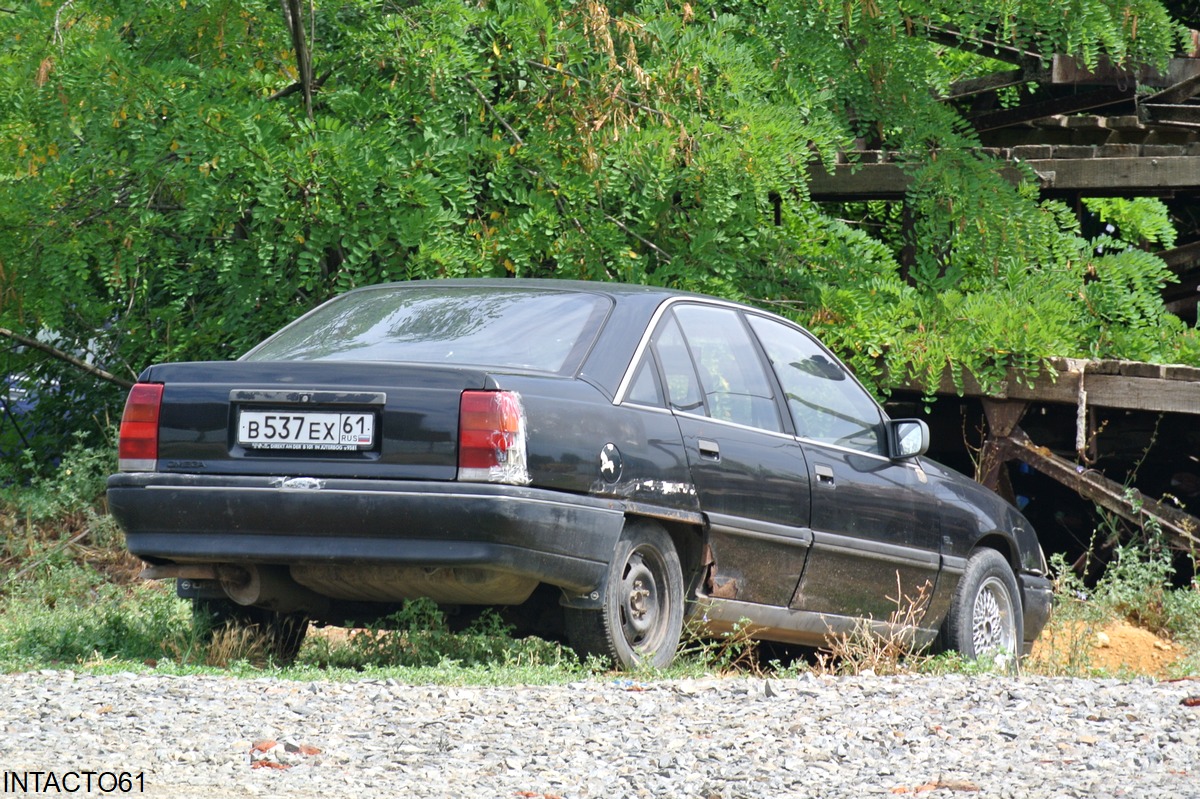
(612, 289)
(634, 306)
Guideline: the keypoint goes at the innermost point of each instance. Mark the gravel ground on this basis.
(810, 736)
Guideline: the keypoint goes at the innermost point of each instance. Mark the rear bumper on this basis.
(561, 539)
(1037, 598)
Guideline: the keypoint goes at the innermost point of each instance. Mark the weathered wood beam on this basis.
(1183, 257)
(1002, 419)
(988, 83)
(1157, 112)
(1117, 385)
(858, 182)
(1178, 93)
(1131, 175)
(1068, 104)
(1180, 528)
(1068, 70)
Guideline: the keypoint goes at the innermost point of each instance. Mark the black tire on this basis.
(985, 619)
(641, 617)
(285, 631)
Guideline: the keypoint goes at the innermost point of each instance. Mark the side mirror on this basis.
(909, 438)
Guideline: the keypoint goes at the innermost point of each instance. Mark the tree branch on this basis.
(293, 16)
(495, 113)
(296, 87)
(55, 352)
(58, 34)
(661, 253)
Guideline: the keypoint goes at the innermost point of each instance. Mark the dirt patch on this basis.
(1117, 648)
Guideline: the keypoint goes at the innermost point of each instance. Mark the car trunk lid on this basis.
(312, 418)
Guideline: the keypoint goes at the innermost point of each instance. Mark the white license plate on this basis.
(306, 430)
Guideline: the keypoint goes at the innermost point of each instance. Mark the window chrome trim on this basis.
(642, 407)
(659, 312)
(909, 463)
(619, 398)
(735, 425)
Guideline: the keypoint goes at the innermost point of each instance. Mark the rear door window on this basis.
(730, 381)
(683, 386)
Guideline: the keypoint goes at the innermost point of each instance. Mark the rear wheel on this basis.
(641, 617)
(985, 619)
(283, 633)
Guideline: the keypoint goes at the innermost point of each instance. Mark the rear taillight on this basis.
(138, 448)
(491, 438)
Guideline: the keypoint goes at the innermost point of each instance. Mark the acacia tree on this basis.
(180, 178)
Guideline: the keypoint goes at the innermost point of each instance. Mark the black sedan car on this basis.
(604, 460)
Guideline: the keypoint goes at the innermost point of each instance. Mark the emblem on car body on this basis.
(610, 463)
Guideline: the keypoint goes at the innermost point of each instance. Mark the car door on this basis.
(748, 470)
(876, 542)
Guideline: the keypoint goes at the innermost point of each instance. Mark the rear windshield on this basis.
(520, 328)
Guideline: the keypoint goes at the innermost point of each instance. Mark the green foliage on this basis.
(64, 612)
(1137, 585)
(166, 195)
(726, 652)
(76, 485)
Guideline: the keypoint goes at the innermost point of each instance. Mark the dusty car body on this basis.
(609, 458)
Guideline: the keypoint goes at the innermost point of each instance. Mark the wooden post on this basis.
(1003, 416)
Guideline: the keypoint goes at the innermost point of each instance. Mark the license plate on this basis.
(306, 430)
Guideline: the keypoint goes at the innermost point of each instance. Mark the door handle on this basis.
(709, 449)
(824, 474)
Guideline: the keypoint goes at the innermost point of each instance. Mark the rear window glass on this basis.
(528, 329)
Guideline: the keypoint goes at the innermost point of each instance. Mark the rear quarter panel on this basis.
(571, 422)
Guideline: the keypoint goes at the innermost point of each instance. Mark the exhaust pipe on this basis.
(270, 587)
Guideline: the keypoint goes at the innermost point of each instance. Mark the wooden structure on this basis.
(1078, 132)
(1085, 386)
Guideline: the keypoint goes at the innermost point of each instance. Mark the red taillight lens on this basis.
(138, 448)
(491, 437)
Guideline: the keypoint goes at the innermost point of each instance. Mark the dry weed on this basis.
(880, 648)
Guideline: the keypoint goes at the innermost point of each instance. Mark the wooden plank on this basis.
(1186, 256)
(1068, 70)
(1178, 114)
(1143, 394)
(1178, 394)
(988, 83)
(1087, 122)
(1131, 175)
(1183, 90)
(1127, 122)
(1180, 528)
(853, 183)
(1120, 175)
(1070, 104)
(1118, 150)
(890, 181)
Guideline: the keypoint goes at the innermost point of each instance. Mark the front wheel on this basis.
(985, 619)
(641, 618)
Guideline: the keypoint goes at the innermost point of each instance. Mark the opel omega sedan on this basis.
(603, 461)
